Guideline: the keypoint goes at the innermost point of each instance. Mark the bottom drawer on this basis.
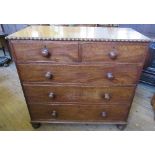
(85, 113)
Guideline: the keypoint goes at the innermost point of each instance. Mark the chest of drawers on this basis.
(78, 74)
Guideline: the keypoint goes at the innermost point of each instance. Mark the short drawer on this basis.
(78, 113)
(113, 52)
(107, 74)
(45, 51)
(78, 94)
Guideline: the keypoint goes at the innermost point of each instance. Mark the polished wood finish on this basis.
(113, 52)
(79, 74)
(46, 51)
(14, 114)
(78, 94)
(78, 33)
(78, 112)
(85, 74)
(48, 75)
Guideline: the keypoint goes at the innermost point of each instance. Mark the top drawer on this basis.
(44, 51)
(113, 52)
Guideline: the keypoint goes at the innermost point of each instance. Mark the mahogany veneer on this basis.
(78, 113)
(78, 74)
(57, 51)
(74, 93)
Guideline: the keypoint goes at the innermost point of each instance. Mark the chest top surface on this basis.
(78, 33)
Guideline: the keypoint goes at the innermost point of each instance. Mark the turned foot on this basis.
(36, 125)
(121, 126)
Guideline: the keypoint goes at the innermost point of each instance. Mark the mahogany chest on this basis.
(78, 74)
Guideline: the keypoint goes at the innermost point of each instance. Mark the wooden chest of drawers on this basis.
(78, 74)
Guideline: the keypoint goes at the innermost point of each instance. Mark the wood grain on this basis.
(124, 74)
(71, 33)
(69, 78)
(126, 52)
(78, 113)
(27, 51)
(14, 115)
(78, 94)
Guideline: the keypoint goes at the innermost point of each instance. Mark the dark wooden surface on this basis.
(126, 52)
(15, 116)
(58, 51)
(29, 51)
(79, 112)
(90, 74)
(78, 80)
(74, 93)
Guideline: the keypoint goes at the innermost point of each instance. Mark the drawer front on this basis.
(78, 113)
(113, 52)
(85, 74)
(60, 93)
(41, 51)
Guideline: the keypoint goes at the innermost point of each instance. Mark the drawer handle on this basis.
(107, 96)
(45, 52)
(110, 76)
(48, 75)
(54, 114)
(113, 55)
(104, 114)
(51, 95)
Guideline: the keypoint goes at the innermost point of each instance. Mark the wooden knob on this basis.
(113, 55)
(107, 96)
(103, 114)
(54, 114)
(51, 95)
(48, 75)
(110, 76)
(45, 52)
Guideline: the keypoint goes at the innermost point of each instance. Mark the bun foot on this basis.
(121, 126)
(36, 125)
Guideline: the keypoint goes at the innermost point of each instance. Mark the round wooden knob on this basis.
(51, 95)
(110, 76)
(107, 96)
(54, 114)
(104, 114)
(45, 52)
(48, 75)
(113, 55)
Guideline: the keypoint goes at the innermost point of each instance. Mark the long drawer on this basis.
(107, 74)
(45, 51)
(78, 113)
(113, 52)
(78, 94)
